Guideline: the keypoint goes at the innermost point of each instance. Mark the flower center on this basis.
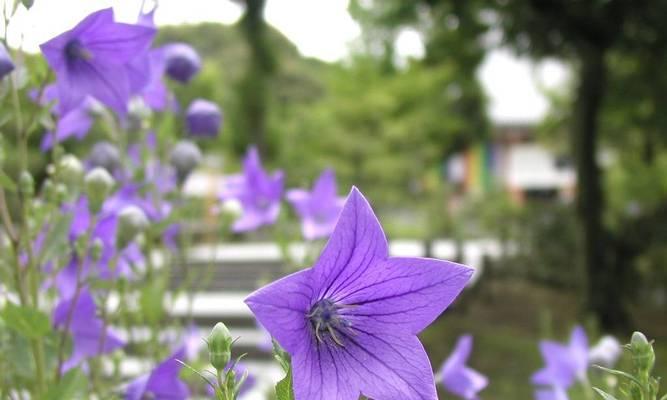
(74, 50)
(327, 322)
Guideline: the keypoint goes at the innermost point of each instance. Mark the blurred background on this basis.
(525, 138)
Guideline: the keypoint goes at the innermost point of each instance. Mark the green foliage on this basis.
(25, 320)
(71, 386)
(284, 389)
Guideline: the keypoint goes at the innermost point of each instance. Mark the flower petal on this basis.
(390, 366)
(357, 243)
(404, 293)
(281, 308)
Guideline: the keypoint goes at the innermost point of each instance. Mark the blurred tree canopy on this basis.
(617, 48)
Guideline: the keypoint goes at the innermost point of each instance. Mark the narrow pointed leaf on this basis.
(604, 395)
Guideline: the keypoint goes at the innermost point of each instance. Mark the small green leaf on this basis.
(619, 373)
(27, 321)
(604, 395)
(284, 389)
(56, 238)
(71, 386)
(6, 182)
(150, 301)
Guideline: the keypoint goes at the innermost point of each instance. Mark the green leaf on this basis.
(604, 395)
(6, 182)
(27, 321)
(71, 386)
(619, 373)
(284, 390)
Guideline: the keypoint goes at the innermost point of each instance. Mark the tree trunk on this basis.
(602, 281)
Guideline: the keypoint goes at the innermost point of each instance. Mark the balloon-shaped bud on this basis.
(203, 119)
(220, 346)
(184, 157)
(105, 155)
(182, 62)
(70, 171)
(98, 184)
(131, 222)
(643, 356)
(6, 63)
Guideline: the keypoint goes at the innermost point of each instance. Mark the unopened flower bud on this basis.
(70, 171)
(98, 184)
(182, 62)
(61, 193)
(138, 113)
(48, 189)
(105, 155)
(184, 157)
(220, 346)
(131, 222)
(203, 119)
(6, 63)
(643, 356)
(26, 184)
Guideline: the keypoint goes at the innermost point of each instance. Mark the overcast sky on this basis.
(319, 28)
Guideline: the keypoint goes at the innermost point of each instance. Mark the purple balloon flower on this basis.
(161, 383)
(182, 61)
(318, 209)
(258, 192)
(350, 322)
(94, 59)
(6, 63)
(564, 363)
(553, 393)
(75, 123)
(457, 377)
(86, 329)
(203, 119)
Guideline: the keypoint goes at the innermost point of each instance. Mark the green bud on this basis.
(61, 193)
(643, 356)
(28, 3)
(219, 346)
(70, 171)
(26, 184)
(131, 222)
(48, 189)
(98, 184)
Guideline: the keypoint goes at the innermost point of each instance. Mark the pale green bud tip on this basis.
(643, 355)
(131, 222)
(220, 346)
(638, 339)
(98, 180)
(70, 169)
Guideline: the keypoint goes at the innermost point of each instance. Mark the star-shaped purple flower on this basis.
(75, 123)
(350, 322)
(564, 363)
(86, 329)
(258, 192)
(161, 383)
(318, 209)
(457, 377)
(94, 59)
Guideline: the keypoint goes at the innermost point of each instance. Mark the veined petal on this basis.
(386, 367)
(465, 382)
(281, 308)
(357, 243)
(403, 293)
(107, 83)
(118, 43)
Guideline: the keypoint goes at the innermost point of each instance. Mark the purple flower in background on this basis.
(161, 383)
(564, 363)
(318, 209)
(203, 119)
(86, 329)
(553, 393)
(350, 322)
(258, 192)
(606, 352)
(6, 63)
(182, 61)
(457, 377)
(75, 123)
(93, 59)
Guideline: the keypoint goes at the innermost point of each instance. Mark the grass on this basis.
(507, 320)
